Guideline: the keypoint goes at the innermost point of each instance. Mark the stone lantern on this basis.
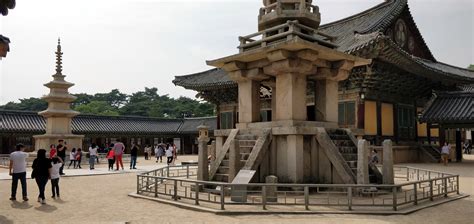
(203, 163)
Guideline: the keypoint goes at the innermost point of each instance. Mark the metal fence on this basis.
(417, 185)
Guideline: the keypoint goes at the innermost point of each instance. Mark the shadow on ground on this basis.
(46, 208)
(20, 205)
(4, 220)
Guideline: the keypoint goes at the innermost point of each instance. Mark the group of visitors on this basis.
(168, 150)
(44, 169)
(58, 151)
(467, 147)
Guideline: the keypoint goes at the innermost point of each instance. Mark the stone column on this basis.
(387, 170)
(272, 195)
(291, 97)
(249, 101)
(295, 158)
(234, 160)
(327, 98)
(363, 162)
(203, 165)
(213, 151)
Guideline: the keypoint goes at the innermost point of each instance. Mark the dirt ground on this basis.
(103, 199)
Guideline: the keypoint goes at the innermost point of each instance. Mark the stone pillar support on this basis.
(387, 170)
(363, 162)
(327, 98)
(234, 159)
(203, 164)
(272, 195)
(295, 156)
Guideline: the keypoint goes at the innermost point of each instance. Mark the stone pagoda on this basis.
(59, 113)
(287, 53)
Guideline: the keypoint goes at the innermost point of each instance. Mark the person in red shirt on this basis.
(52, 151)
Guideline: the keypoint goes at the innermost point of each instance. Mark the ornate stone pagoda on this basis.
(59, 114)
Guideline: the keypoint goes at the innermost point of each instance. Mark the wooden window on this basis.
(406, 122)
(227, 121)
(346, 113)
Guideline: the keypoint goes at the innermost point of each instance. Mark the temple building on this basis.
(383, 99)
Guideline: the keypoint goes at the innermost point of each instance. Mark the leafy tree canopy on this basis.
(146, 103)
(471, 67)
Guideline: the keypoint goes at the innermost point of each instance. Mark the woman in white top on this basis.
(92, 155)
(56, 164)
(169, 154)
(72, 158)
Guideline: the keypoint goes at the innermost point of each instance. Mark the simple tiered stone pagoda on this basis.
(59, 113)
(287, 51)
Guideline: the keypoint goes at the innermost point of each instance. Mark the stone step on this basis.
(347, 150)
(244, 143)
(223, 170)
(339, 137)
(352, 164)
(245, 150)
(336, 132)
(349, 156)
(244, 156)
(246, 137)
(221, 177)
(225, 162)
(339, 143)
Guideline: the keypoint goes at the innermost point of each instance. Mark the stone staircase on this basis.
(246, 143)
(348, 149)
(433, 152)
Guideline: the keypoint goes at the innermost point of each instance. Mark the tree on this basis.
(30, 104)
(471, 67)
(115, 98)
(97, 108)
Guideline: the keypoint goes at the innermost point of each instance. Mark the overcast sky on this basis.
(132, 44)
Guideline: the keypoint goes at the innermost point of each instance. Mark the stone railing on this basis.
(415, 186)
(284, 32)
(279, 8)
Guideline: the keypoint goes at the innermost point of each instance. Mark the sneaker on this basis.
(43, 201)
(39, 199)
(25, 198)
(53, 196)
(12, 199)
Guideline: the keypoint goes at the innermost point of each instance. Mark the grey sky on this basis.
(130, 44)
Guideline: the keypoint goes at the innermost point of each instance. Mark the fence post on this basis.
(196, 189)
(168, 171)
(445, 182)
(264, 197)
(408, 174)
(394, 195)
(457, 184)
(187, 172)
(415, 190)
(349, 198)
(156, 187)
(138, 184)
(431, 190)
(175, 195)
(222, 197)
(306, 197)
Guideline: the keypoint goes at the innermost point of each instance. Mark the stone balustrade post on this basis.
(363, 162)
(234, 159)
(387, 170)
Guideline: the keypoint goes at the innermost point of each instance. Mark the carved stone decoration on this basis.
(411, 44)
(401, 35)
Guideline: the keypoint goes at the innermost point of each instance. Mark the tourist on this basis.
(160, 152)
(133, 156)
(61, 153)
(72, 158)
(41, 173)
(169, 154)
(111, 158)
(79, 158)
(52, 151)
(374, 158)
(145, 151)
(92, 155)
(17, 170)
(119, 149)
(175, 152)
(445, 153)
(467, 147)
(56, 165)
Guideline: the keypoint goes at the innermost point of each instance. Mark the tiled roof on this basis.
(450, 108)
(353, 34)
(198, 81)
(31, 122)
(190, 124)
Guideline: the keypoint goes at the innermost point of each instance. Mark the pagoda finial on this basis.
(59, 60)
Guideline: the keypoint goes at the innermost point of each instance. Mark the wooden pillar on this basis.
(379, 122)
(218, 111)
(458, 146)
(361, 115)
(396, 132)
(442, 135)
(428, 133)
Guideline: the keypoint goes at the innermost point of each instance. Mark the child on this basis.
(111, 159)
(56, 164)
(79, 158)
(72, 158)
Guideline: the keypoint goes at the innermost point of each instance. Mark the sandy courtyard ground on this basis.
(103, 199)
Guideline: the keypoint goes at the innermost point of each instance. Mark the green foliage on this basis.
(97, 108)
(146, 103)
(471, 67)
(30, 104)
